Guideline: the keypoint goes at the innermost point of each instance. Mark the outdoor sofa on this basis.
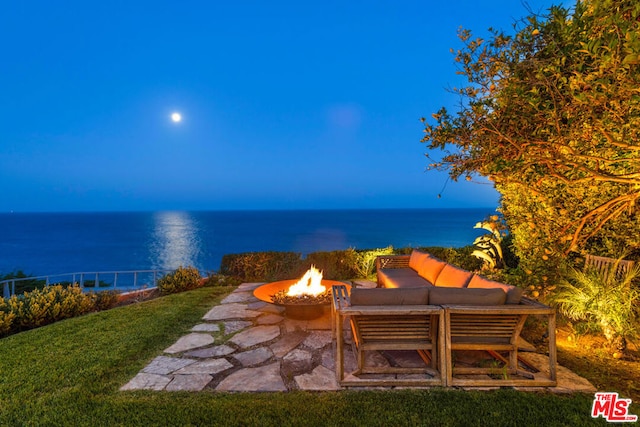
(425, 304)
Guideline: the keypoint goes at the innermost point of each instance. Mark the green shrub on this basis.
(63, 303)
(182, 279)
(105, 300)
(7, 317)
(604, 301)
(47, 305)
(261, 266)
(214, 279)
(366, 261)
(335, 265)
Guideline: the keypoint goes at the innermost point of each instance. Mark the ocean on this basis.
(54, 243)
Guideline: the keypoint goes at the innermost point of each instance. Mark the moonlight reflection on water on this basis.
(175, 240)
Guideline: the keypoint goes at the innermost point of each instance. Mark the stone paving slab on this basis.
(233, 326)
(287, 343)
(293, 325)
(206, 327)
(239, 297)
(318, 339)
(254, 357)
(270, 319)
(144, 381)
(205, 353)
(189, 342)
(327, 359)
(375, 359)
(230, 311)
(297, 361)
(195, 382)
(265, 378)
(405, 358)
(211, 367)
(256, 335)
(163, 365)
(320, 379)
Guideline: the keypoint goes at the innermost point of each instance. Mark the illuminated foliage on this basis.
(607, 301)
(551, 114)
(366, 261)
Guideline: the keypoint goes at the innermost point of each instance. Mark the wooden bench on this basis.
(604, 265)
(390, 327)
(495, 330)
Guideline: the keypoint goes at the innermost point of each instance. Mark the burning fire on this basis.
(310, 284)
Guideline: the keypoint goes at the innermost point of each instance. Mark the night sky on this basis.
(284, 104)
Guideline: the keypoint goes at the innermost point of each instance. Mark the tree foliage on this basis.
(551, 114)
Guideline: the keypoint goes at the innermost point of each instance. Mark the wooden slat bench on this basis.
(495, 329)
(604, 265)
(390, 327)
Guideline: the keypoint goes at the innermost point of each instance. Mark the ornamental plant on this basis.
(608, 303)
(366, 260)
(488, 247)
(216, 279)
(182, 279)
(48, 305)
(7, 317)
(260, 266)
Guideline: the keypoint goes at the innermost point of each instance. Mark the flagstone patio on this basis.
(246, 345)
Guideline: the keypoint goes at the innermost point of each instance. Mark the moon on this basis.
(176, 117)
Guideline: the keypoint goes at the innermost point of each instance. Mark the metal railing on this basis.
(93, 281)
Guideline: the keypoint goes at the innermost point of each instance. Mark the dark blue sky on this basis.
(285, 104)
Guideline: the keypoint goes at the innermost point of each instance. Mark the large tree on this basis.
(551, 114)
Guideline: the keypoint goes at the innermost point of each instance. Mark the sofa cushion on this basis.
(416, 259)
(431, 268)
(466, 296)
(453, 277)
(514, 293)
(379, 296)
(401, 278)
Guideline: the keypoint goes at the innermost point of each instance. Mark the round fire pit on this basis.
(302, 310)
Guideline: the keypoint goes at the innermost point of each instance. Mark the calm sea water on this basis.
(53, 243)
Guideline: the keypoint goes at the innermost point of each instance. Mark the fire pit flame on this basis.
(309, 284)
(305, 299)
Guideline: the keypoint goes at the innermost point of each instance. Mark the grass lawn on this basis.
(69, 373)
